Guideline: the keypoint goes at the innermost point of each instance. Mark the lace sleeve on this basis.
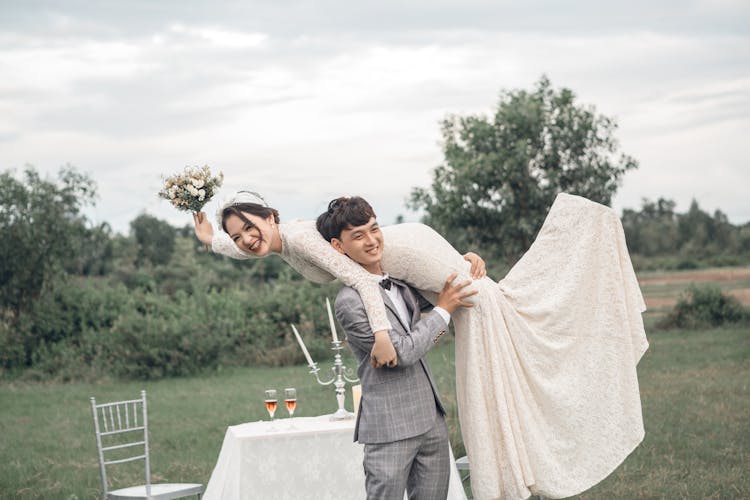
(314, 249)
(418, 255)
(223, 244)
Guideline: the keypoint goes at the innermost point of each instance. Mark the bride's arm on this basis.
(318, 252)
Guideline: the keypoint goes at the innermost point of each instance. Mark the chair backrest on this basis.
(129, 421)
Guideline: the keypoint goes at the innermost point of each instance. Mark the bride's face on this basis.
(256, 236)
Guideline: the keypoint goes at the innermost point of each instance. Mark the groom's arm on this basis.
(425, 305)
(410, 347)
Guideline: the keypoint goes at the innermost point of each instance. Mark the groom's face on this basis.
(363, 244)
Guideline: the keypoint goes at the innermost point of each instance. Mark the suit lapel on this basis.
(412, 306)
(389, 304)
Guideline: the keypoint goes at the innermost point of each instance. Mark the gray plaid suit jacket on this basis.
(401, 402)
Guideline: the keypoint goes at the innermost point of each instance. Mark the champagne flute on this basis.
(290, 400)
(271, 402)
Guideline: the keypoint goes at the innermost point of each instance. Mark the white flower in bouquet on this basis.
(191, 189)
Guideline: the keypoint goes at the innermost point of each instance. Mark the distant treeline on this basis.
(660, 238)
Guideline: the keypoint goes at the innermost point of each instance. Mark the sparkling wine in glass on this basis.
(290, 400)
(271, 402)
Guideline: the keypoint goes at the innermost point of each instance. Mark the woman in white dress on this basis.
(546, 360)
(257, 232)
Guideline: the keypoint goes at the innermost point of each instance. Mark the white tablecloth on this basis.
(316, 459)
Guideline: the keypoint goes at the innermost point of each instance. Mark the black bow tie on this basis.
(386, 283)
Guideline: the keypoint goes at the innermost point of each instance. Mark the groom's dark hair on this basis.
(343, 213)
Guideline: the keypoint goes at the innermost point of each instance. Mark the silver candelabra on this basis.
(341, 375)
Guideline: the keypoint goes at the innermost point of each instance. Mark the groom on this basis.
(401, 418)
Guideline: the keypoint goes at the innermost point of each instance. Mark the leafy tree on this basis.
(95, 252)
(652, 230)
(41, 227)
(743, 238)
(501, 174)
(155, 239)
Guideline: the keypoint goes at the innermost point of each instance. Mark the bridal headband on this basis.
(238, 198)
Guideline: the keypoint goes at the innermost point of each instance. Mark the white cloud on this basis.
(54, 67)
(304, 111)
(218, 36)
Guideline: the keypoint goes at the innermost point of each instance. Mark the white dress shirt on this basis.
(394, 293)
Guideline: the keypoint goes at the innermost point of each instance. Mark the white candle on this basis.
(304, 349)
(356, 396)
(330, 320)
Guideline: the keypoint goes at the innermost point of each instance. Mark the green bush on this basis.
(726, 260)
(92, 328)
(687, 264)
(60, 315)
(704, 307)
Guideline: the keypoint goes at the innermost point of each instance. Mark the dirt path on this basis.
(698, 276)
(718, 276)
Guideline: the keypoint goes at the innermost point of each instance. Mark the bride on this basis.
(546, 379)
(299, 244)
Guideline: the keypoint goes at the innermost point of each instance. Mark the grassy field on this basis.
(694, 387)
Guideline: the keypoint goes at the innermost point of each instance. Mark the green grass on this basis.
(696, 406)
(48, 447)
(694, 388)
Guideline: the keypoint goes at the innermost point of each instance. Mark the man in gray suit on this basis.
(401, 418)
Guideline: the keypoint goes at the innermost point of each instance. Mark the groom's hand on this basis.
(452, 296)
(383, 353)
(477, 265)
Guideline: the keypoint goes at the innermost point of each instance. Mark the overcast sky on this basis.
(307, 100)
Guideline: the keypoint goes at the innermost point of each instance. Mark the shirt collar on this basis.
(377, 278)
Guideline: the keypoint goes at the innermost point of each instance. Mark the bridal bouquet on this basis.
(191, 189)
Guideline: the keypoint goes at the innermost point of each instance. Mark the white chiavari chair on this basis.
(125, 423)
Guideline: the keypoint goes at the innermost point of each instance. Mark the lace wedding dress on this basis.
(546, 360)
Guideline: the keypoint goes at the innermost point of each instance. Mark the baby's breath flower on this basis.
(192, 188)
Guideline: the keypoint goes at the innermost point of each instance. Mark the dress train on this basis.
(546, 378)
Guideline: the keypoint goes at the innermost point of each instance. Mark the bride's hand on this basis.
(477, 265)
(383, 353)
(203, 229)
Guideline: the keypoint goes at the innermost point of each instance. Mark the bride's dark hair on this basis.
(343, 213)
(240, 209)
